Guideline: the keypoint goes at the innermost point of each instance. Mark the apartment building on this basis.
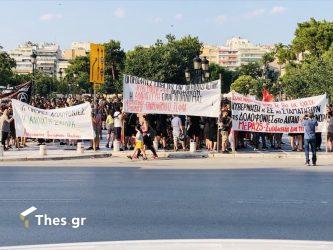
(77, 49)
(47, 56)
(236, 52)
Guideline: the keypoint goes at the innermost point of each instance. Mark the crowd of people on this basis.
(169, 132)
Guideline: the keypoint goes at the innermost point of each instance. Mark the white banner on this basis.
(64, 123)
(149, 97)
(249, 114)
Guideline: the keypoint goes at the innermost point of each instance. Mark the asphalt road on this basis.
(132, 203)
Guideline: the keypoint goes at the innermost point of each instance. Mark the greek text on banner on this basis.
(65, 123)
(251, 115)
(149, 97)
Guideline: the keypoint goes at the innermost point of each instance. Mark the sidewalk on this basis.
(58, 152)
(53, 152)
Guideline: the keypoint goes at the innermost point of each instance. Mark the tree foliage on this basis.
(314, 37)
(165, 62)
(245, 84)
(6, 66)
(308, 79)
(226, 75)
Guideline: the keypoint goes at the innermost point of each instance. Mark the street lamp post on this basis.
(60, 75)
(34, 64)
(200, 73)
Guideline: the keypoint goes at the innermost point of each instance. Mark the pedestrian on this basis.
(309, 122)
(147, 140)
(5, 128)
(109, 124)
(118, 124)
(177, 131)
(139, 148)
(225, 127)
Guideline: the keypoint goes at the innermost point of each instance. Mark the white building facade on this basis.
(48, 55)
(237, 52)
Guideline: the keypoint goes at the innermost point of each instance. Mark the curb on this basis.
(57, 158)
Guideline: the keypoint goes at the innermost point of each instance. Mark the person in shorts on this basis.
(109, 124)
(177, 130)
(139, 147)
(225, 127)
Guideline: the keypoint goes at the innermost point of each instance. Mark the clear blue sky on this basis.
(142, 22)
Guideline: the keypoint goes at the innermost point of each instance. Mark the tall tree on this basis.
(245, 84)
(164, 62)
(252, 69)
(78, 74)
(6, 68)
(227, 76)
(114, 66)
(313, 37)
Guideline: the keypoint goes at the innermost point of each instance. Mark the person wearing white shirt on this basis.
(118, 123)
(177, 130)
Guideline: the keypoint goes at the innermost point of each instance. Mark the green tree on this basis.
(245, 84)
(43, 84)
(252, 69)
(267, 58)
(314, 37)
(227, 76)
(6, 68)
(164, 62)
(308, 79)
(114, 67)
(78, 74)
(284, 53)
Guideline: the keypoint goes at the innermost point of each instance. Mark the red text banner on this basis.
(252, 115)
(150, 97)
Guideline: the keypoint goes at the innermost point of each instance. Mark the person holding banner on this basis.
(310, 123)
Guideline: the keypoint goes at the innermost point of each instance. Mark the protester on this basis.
(118, 124)
(5, 128)
(109, 124)
(310, 123)
(225, 128)
(139, 148)
(177, 131)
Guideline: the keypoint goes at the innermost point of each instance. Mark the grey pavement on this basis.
(168, 199)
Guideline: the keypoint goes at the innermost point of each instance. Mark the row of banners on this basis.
(151, 97)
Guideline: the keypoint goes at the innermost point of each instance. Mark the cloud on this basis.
(221, 19)
(277, 10)
(179, 16)
(157, 19)
(255, 13)
(119, 13)
(50, 17)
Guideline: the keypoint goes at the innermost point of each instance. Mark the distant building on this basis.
(77, 49)
(62, 66)
(47, 56)
(211, 52)
(236, 52)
